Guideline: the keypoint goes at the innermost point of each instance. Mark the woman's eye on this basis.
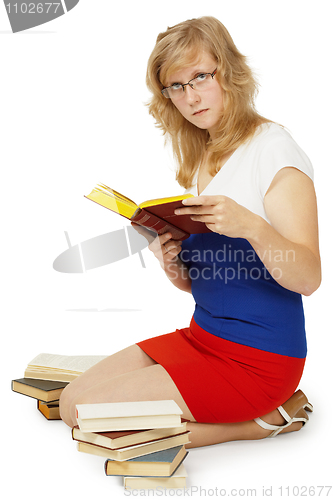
(176, 86)
(202, 77)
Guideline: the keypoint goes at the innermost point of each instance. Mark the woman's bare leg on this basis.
(208, 434)
(131, 375)
(152, 383)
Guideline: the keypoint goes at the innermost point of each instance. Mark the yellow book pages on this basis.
(116, 194)
(117, 202)
(113, 201)
(160, 201)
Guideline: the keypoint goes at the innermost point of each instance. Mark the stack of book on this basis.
(142, 441)
(47, 375)
(47, 393)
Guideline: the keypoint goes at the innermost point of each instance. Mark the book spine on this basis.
(160, 226)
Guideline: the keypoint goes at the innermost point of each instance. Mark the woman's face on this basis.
(202, 108)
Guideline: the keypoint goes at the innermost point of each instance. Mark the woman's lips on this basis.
(200, 112)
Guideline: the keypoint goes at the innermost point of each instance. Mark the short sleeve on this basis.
(278, 152)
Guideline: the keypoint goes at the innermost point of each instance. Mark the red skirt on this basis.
(222, 381)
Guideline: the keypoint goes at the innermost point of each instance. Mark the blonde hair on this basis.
(179, 47)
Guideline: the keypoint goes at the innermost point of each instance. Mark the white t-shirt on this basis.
(248, 173)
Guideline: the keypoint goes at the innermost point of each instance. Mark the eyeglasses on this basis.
(200, 82)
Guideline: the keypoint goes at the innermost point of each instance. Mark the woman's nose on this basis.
(191, 95)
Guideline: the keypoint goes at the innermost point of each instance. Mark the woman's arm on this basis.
(167, 251)
(288, 246)
(291, 207)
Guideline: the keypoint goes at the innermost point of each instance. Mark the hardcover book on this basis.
(45, 390)
(138, 450)
(177, 480)
(157, 215)
(161, 463)
(49, 410)
(102, 417)
(121, 439)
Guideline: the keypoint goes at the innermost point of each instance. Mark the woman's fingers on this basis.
(149, 235)
(163, 246)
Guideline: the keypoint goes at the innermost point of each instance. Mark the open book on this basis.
(157, 215)
(59, 367)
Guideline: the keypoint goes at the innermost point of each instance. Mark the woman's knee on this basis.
(67, 397)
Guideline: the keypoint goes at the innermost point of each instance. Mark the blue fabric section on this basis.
(238, 300)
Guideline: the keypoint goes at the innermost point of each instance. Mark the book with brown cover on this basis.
(138, 450)
(157, 215)
(121, 439)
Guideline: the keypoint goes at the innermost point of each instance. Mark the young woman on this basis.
(234, 371)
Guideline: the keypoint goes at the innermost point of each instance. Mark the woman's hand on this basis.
(164, 248)
(221, 215)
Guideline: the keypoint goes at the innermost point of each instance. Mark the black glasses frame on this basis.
(164, 91)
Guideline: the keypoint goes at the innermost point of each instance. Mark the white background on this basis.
(72, 114)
